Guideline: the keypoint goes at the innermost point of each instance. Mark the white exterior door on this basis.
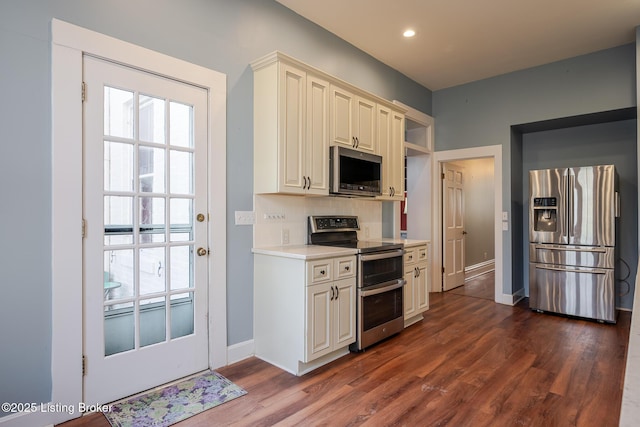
(145, 249)
(453, 227)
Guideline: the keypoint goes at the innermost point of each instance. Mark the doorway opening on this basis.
(468, 210)
(442, 157)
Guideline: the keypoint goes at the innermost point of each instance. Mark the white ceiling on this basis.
(459, 41)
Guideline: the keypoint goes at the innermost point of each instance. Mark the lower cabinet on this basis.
(330, 317)
(416, 289)
(304, 311)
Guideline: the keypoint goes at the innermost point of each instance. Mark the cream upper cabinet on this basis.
(353, 120)
(291, 129)
(317, 143)
(391, 142)
(299, 111)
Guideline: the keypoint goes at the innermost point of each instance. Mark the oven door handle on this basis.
(382, 255)
(385, 287)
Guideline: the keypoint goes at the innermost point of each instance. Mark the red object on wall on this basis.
(403, 213)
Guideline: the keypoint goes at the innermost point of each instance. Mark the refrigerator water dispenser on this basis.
(545, 214)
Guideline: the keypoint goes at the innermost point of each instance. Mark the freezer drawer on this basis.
(579, 256)
(575, 291)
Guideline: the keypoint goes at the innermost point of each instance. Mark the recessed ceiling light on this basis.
(409, 33)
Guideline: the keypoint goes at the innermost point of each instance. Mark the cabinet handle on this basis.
(322, 272)
(308, 183)
(353, 141)
(337, 293)
(347, 268)
(331, 297)
(357, 142)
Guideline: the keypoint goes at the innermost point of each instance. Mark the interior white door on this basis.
(453, 226)
(145, 249)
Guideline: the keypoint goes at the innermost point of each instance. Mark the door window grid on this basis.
(150, 245)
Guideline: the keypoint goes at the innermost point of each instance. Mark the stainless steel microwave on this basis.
(354, 173)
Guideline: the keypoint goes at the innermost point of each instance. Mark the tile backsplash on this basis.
(279, 216)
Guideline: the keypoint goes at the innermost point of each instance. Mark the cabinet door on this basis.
(422, 289)
(292, 105)
(365, 125)
(395, 155)
(344, 313)
(384, 145)
(342, 117)
(318, 339)
(317, 136)
(409, 302)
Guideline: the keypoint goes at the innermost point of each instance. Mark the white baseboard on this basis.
(513, 299)
(478, 269)
(240, 351)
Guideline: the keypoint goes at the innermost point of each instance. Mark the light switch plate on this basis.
(505, 216)
(505, 226)
(245, 217)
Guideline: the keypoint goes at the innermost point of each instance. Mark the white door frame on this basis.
(69, 42)
(440, 157)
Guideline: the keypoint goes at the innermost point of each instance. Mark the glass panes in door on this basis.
(148, 220)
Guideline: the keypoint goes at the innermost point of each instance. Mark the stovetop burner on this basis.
(341, 231)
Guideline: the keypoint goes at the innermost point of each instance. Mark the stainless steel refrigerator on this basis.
(572, 235)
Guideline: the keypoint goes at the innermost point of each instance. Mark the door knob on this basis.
(200, 217)
(202, 251)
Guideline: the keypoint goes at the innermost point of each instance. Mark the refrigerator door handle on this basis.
(571, 248)
(571, 270)
(571, 185)
(617, 204)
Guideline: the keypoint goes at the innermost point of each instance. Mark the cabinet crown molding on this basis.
(277, 56)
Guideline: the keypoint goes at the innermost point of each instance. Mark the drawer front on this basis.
(422, 253)
(579, 256)
(410, 256)
(345, 267)
(574, 291)
(319, 271)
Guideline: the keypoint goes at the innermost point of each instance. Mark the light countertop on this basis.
(407, 242)
(306, 252)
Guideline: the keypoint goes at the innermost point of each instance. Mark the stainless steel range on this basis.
(379, 311)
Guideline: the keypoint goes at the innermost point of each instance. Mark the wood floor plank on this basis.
(470, 362)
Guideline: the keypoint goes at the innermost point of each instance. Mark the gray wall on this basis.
(483, 113)
(600, 144)
(224, 35)
(478, 210)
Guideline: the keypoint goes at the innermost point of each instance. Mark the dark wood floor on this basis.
(470, 362)
(482, 286)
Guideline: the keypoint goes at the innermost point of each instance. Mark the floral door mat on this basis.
(174, 403)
